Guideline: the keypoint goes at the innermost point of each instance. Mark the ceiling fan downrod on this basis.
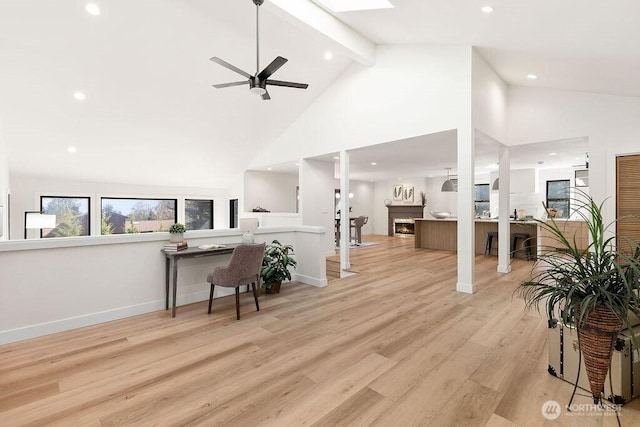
(258, 3)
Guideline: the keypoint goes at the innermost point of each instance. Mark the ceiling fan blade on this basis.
(231, 67)
(265, 96)
(287, 84)
(272, 68)
(220, 86)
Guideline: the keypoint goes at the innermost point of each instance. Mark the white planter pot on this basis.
(176, 237)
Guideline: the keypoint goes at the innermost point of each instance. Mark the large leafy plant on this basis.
(571, 280)
(277, 259)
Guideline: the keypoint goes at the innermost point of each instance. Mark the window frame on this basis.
(567, 199)
(88, 224)
(211, 203)
(173, 199)
(476, 201)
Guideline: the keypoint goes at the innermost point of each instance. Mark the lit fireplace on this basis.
(403, 227)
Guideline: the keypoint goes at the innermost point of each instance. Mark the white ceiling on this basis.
(151, 115)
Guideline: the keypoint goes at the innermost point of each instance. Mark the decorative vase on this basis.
(248, 238)
(176, 237)
(597, 338)
(274, 288)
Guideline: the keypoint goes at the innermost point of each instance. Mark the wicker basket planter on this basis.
(597, 337)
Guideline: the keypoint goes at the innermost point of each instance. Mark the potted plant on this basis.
(176, 232)
(275, 266)
(593, 289)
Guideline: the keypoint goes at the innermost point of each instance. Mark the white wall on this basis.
(367, 106)
(610, 123)
(317, 200)
(489, 101)
(4, 188)
(49, 289)
(274, 191)
(384, 190)
(26, 192)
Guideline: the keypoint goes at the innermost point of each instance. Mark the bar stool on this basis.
(490, 236)
(525, 244)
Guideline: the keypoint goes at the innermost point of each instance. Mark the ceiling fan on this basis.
(258, 82)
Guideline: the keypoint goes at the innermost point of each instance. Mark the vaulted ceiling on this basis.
(151, 115)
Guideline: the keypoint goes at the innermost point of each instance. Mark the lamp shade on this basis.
(448, 185)
(496, 185)
(248, 224)
(39, 220)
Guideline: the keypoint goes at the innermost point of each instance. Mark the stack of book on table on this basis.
(175, 247)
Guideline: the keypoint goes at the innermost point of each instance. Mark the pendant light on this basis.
(496, 185)
(449, 185)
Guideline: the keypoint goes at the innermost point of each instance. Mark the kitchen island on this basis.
(442, 234)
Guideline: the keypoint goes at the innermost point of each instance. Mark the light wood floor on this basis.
(394, 345)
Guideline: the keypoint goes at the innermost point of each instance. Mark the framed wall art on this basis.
(397, 192)
(408, 194)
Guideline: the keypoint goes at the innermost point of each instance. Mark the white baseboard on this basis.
(504, 268)
(313, 281)
(38, 330)
(41, 329)
(467, 288)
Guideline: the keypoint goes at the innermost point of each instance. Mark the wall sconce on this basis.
(449, 185)
(36, 220)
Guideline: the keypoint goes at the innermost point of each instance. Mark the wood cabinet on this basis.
(442, 234)
(627, 201)
(571, 229)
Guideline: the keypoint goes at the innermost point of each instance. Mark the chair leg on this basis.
(211, 297)
(255, 296)
(238, 302)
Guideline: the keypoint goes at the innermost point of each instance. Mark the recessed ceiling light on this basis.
(72, 149)
(328, 56)
(351, 5)
(487, 9)
(92, 9)
(269, 169)
(373, 163)
(532, 76)
(79, 96)
(553, 153)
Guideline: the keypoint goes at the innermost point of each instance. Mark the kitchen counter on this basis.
(442, 234)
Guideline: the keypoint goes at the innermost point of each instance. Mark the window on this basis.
(582, 178)
(71, 213)
(482, 199)
(120, 216)
(558, 197)
(233, 213)
(198, 214)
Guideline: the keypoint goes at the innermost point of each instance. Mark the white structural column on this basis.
(466, 213)
(504, 229)
(345, 230)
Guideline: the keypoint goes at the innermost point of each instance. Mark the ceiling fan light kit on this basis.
(258, 82)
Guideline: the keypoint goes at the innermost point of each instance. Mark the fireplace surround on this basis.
(402, 212)
(404, 227)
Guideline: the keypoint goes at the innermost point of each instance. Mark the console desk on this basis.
(172, 258)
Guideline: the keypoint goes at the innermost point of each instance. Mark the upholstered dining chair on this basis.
(243, 269)
(356, 225)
